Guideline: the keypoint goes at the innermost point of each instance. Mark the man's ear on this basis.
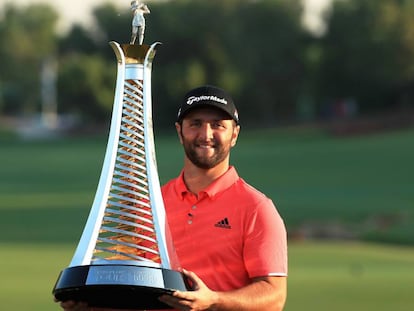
(178, 127)
(236, 132)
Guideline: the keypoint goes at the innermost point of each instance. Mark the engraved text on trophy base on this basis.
(125, 275)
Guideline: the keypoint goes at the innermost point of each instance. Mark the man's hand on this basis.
(202, 298)
(71, 305)
(263, 293)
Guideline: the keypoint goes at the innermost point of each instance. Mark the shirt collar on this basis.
(219, 185)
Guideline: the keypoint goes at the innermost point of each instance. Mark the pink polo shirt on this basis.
(227, 234)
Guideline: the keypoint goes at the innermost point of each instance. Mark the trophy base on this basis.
(118, 286)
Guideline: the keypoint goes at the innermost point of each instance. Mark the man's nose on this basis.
(206, 131)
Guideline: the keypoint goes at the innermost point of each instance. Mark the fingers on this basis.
(195, 282)
(71, 305)
(176, 301)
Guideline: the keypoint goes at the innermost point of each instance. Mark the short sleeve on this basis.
(265, 244)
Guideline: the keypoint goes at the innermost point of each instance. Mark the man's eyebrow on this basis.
(208, 120)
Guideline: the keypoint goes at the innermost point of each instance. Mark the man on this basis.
(228, 236)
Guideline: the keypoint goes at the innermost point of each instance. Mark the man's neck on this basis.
(197, 179)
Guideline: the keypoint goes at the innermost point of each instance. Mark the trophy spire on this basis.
(125, 258)
(138, 21)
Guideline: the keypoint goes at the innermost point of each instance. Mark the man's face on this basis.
(207, 135)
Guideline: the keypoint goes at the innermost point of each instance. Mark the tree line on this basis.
(259, 51)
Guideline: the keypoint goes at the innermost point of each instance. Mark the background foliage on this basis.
(258, 50)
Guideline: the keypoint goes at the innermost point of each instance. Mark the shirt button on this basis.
(190, 221)
(194, 207)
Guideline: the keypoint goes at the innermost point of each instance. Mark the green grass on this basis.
(29, 272)
(322, 277)
(343, 277)
(348, 177)
(363, 183)
(317, 179)
(311, 177)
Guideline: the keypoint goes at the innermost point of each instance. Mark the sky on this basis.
(79, 11)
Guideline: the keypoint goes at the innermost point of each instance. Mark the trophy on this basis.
(125, 258)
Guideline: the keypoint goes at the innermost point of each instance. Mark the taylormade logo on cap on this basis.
(208, 96)
(193, 99)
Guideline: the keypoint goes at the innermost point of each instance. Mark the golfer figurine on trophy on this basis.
(125, 258)
(138, 21)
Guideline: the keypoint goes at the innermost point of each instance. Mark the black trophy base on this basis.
(118, 286)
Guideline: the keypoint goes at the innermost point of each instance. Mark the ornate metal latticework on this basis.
(127, 219)
(127, 231)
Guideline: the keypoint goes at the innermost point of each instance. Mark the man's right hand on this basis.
(71, 305)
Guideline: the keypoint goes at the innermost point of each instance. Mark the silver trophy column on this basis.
(125, 257)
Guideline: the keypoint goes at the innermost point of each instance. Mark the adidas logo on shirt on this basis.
(224, 223)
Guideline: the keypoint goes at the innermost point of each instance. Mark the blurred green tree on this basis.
(253, 49)
(86, 86)
(258, 50)
(88, 66)
(27, 38)
(367, 52)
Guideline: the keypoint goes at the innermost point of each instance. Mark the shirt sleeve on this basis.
(265, 245)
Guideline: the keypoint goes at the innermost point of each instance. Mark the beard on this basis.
(202, 159)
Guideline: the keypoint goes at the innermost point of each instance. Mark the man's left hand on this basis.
(202, 298)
